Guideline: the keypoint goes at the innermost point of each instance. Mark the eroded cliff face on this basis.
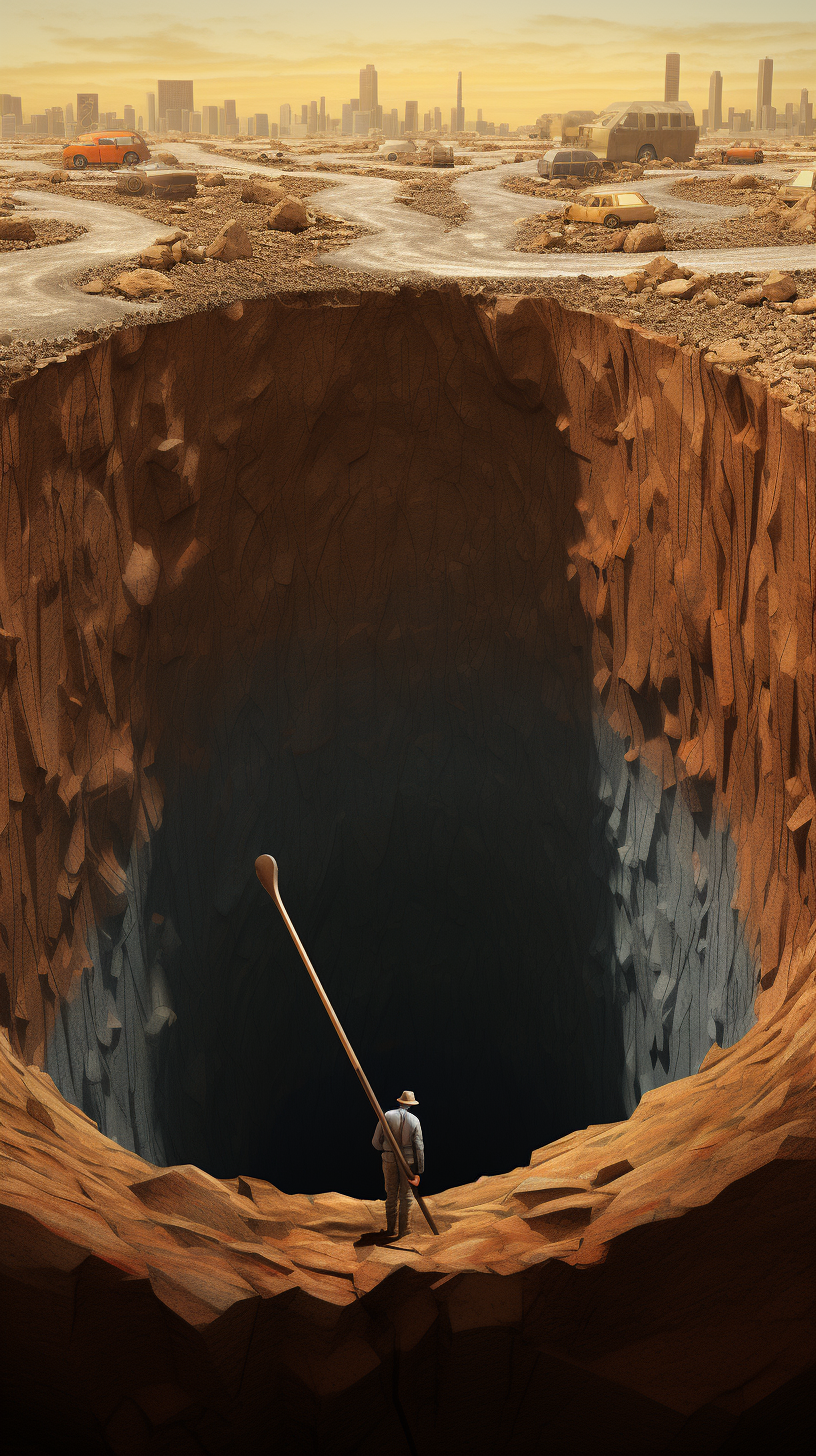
(495, 622)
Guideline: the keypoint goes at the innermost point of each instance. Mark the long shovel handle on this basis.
(267, 871)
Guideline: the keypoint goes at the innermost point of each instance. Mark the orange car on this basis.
(105, 149)
(744, 153)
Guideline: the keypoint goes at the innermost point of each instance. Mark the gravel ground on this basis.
(718, 190)
(436, 196)
(48, 230)
(681, 234)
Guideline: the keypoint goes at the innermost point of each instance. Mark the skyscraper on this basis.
(87, 109)
(151, 111)
(764, 89)
(129, 115)
(286, 119)
(715, 101)
(369, 99)
(261, 120)
(321, 115)
(460, 109)
(209, 120)
(671, 84)
(175, 96)
(312, 122)
(411, 116)
(437, 120)
(12, 106)
(230, 119)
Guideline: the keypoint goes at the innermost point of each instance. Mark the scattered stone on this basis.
(804, 361)
(6, 338)
(256, 189)
(779, 287)
(214, 179)
(94, 285)
(681, 288)
(646, 237)
(750, 296)
(16, 230)
(141, 283)
(232, 242)
(57, 177)
(709, 298)
(616, 243)
(802, 224)
(731, 351)
(193, 255)
(289, 216)
(804, 305)
(747, 181)
(157, 257)
(169, 158)
(176, 236)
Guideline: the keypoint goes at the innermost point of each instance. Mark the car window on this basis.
(690, 121)
(106, 142)
(593, 202)
(631, 119)
(649, 120)
(663, 118)
(630, 199)
(676, 119)
(606, 202)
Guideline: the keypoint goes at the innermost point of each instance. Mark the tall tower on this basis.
(369, 99)
(151, 111)
(671, 85)
(460, 110)
(715, 101)
(764, 88)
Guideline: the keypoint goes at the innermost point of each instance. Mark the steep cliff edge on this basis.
(506, 575)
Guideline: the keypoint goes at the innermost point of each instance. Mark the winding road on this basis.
(38, 299)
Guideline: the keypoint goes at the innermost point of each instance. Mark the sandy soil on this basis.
(434, 194)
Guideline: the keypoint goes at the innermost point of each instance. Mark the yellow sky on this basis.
(533, 63)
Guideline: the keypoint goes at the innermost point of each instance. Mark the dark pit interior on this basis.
(367, 655)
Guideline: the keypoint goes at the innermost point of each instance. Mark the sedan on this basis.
(157, 179)
(613, 209)
(579, 163)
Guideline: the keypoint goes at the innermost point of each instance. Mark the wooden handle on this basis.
(267, 871)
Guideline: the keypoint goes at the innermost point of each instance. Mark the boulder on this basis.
(804, 305)
(635, 282)
(168, 158)
(213, 179)
(257, 189)
(615, 243)
(680, 288)
(646, 237)
(16, 230)
(778, 287)
(747, 181)
(750, 296)
(708, 297)
(231, 243)
(168, 239)
(178, 252)
(57, 177)
(158, 257)
(802, 224)
(659, 269)
(141, 283)
(731, 351)
(289, 216)
(193, 255)
(667, 162)
(94, 285)
(804, 361)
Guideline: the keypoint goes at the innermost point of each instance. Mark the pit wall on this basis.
(676, 548)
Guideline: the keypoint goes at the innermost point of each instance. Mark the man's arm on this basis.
(419, 1148)
(378, 1139)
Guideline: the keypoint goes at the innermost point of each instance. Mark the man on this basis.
(408, 1134)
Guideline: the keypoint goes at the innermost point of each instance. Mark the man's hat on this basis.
(408, 1100)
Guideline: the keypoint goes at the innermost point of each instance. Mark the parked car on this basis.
(613, 209)
(156, 179)
(582, 163)
(436, 155)
(744, 154)
(642, 131)
(803, 184)
(105, 149)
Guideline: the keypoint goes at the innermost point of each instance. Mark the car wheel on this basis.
(612, 220)
(133, 184)
(647, 154)
(593, 171)
(392, 157)
(80, 162)
(130, 159)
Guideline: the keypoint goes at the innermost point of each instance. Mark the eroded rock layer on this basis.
(402, 580)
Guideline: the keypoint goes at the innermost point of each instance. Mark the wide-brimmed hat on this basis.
(408, 1100)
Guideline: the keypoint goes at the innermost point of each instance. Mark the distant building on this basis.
(362, 121)
(195, 122)
(427, 121)
(321, 115)
(347, 119)
(230, 119)
(261, 119)
(437, 118)
(805, 114)
(129, 115)
(391, 123)
(39, 124)
(172, 119)
(286, 120)
(411, 116)
(8, 124)
(209, 120)
(87, 110)
(715, 101)
(764, 90)
(56, 121)
(151, 111)
(311, 120)
(222, 121)
(12, 106)
(671, 83)
(185, 121)
(369, 99)
(175, 96)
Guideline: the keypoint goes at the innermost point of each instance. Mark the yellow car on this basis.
(613, 209)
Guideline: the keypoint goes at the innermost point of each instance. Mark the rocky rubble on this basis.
(435, 196)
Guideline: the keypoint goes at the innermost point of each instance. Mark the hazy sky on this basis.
(516, 60)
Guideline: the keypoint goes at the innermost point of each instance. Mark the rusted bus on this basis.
(642, 131)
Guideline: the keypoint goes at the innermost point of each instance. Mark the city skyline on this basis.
(559, 62)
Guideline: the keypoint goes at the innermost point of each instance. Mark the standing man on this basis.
(408, 1135)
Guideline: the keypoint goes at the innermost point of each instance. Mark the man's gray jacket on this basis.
(408, 1133)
